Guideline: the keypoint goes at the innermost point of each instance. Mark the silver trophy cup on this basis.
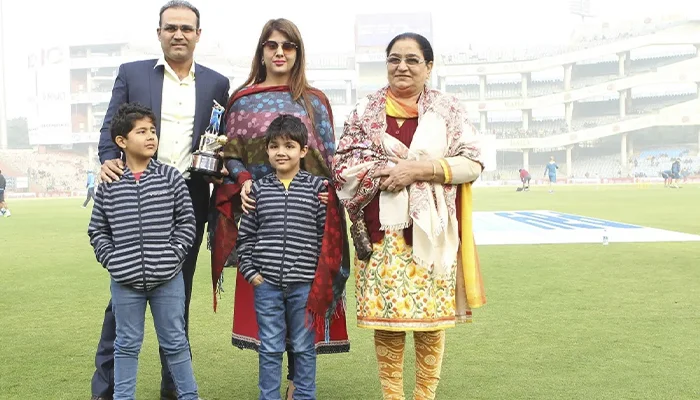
(206, 160)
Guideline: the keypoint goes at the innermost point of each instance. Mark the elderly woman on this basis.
(403, 169)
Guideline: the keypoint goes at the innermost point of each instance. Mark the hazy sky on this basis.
(237, 24)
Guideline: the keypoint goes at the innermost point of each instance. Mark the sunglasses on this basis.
(410, 61)
(287, 47)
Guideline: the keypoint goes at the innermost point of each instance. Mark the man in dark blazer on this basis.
(181, 94)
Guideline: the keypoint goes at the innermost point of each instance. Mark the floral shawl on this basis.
(443, 132)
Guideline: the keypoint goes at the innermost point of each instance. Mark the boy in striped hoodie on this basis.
(141, 229)
(278, 245)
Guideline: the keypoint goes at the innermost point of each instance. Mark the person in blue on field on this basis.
(667, 177)
(675, 173)
(551, 170)
(90, 185)
(4, 211)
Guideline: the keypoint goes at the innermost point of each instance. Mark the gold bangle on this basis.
(446, 170)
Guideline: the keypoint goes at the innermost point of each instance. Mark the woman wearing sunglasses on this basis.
(277, 85)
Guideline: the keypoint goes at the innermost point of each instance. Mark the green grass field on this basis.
(562, 321)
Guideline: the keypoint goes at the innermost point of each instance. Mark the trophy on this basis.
(206, 160)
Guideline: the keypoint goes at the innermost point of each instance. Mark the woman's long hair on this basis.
(298, 85)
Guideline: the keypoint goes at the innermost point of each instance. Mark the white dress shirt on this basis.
(177, 118)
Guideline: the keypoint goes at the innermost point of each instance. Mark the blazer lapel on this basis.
(202, 107)
(156, 86)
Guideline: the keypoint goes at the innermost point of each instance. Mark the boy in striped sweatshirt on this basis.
(141, 229)
(278, 245)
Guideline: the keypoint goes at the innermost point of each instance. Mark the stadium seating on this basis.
(607, 166)
(464, 92)
(51, 171)
(650, 64)
(544, 88)
(644, 105)
(652, 162)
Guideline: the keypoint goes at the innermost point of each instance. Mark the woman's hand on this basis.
(397, 178)
(247, 204)
(323, 196)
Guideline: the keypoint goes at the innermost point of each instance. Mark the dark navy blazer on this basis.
(142, 82)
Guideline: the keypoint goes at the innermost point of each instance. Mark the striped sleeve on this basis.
(321, 213)
(185, 229)
(99, 231)
(247, 237)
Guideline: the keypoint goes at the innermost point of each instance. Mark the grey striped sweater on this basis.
(142, 230)
(281, 238)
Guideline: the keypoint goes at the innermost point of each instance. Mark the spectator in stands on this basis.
(55, 170)
(181, 120)
(90, 188)
(392, 233)
(4, 211)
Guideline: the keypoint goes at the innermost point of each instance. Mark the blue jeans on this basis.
(168, 309)
(281, 313)
(103, 378)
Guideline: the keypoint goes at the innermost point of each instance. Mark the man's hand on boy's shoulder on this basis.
(111, 170)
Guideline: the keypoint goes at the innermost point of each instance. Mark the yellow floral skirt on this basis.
(396, 294)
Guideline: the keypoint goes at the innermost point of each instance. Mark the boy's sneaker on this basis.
(169, 395)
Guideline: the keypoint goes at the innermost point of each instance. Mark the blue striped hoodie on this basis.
(142, 230)
(281, 239)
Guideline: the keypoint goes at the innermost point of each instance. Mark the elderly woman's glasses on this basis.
(272, 45)
(410, 61)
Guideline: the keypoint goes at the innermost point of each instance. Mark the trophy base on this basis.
(206, 164)
(205, 172)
